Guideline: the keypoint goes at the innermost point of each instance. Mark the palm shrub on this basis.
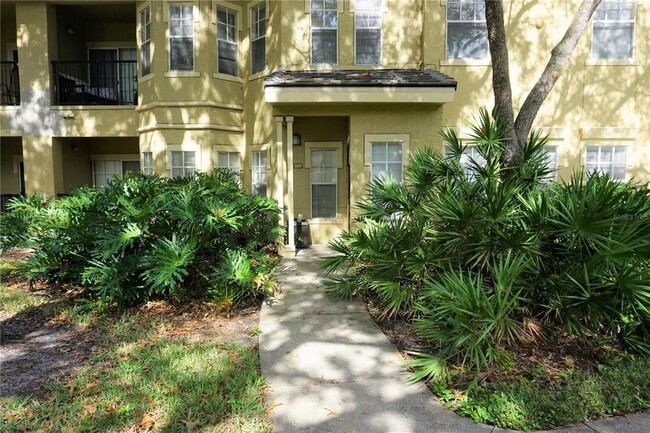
(482, 255)
(145, 237)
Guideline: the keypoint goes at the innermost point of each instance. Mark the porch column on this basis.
(279, 167)
(291, 229)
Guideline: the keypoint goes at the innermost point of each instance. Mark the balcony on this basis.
(9, 84)
(112, 82)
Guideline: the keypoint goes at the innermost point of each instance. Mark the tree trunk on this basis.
(519, 129)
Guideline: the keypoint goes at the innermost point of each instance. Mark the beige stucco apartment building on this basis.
(306, 99)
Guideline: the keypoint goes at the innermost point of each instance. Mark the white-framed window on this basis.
(324, 32)
(367, 32)
(258, 37)
(105, 170)
(231, 161)
(607, 159)
(550, 156)
(613, 26)
(182, 162)
(386, 160)
(466, 30)
(227, 41)
(145, 41)
(181, 37)
(259, 169)
(324, 182)
(470, 153)
(147, 163)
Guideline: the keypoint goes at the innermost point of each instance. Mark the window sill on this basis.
(258, 75)
(227, 77)
(465, 62)
(325, 221)
(182, 74)
(600, 62)
(145, 78)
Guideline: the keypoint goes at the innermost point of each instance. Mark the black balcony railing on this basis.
(9, 84)
(95, 83)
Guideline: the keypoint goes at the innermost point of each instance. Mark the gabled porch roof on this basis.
(359, 86)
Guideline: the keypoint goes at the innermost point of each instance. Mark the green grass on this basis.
(142, 379)
(572, 398)
(12, 301)
(7, 268)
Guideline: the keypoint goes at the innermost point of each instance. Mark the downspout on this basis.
(423, 9)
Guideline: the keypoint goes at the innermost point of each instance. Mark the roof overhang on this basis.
(364, 95)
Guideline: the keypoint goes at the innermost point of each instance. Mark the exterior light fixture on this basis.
(296, 139)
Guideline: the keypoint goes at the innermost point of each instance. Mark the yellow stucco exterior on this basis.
(200, 110)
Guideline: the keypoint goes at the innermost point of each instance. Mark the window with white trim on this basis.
(147, 162)
(470, 154)
(182, 162)
(145, 41)
(613, 30)
(227, 45)
(181, 37)
(259, 168)
(607, 159)
(466, 30)
(105, 171)
(324, 180)
(550, 156)
(386, 160)
(229, 160)
(324, 32)
(367, 32)
(258, 37)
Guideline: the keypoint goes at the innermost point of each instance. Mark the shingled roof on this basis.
(360, 78)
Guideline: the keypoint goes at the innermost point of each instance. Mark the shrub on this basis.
(145, 237)
(485, 255)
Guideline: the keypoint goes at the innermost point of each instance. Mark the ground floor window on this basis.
(324, 179)
(182, 162)
(611, 160)
(550, 155)
(229, 160)
(470, 154)
(105, 171)
(386, 160)
(259, 166)
(147, 162)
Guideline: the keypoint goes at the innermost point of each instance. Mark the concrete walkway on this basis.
(330, 368)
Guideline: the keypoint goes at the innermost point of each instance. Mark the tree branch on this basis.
(560, 56)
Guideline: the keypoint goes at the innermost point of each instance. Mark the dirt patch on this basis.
(40, 344)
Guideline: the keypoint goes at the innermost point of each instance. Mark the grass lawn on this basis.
(156, 368)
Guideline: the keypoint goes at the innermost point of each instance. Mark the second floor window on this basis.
(613, 30)
(145, 41)
(367, 32)
(258, 38)
(181, 37)
(466, 30)
(227, 52)
(324, 32)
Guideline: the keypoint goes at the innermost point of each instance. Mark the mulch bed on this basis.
(553, 352)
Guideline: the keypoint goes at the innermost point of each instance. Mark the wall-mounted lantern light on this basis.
(296, 139)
